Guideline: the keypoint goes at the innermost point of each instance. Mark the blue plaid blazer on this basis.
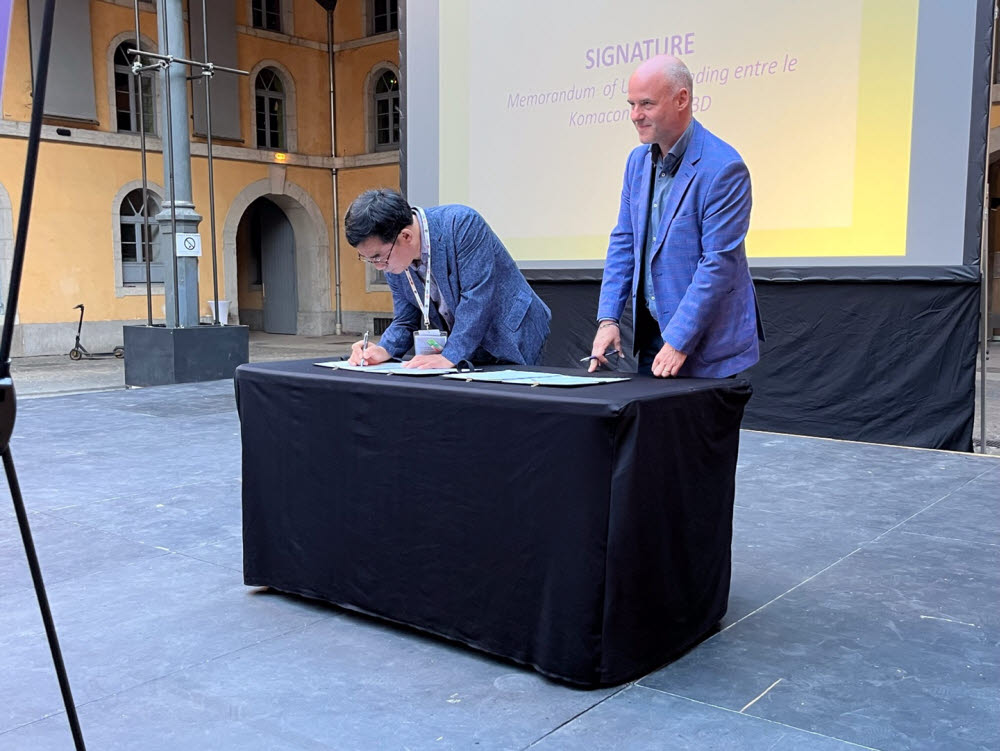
(705, 298)
(497, 314)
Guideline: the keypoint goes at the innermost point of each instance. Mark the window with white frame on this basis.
(385, 108)
(384, 15)
(269, 110)
(140, 240)
(127, 94)
(375, 280)
(266, 14)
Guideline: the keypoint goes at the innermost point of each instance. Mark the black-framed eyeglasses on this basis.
(378, 259)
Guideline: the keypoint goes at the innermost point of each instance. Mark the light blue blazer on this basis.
(705, 298)
(497, 314)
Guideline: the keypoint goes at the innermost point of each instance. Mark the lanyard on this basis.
(425, 237)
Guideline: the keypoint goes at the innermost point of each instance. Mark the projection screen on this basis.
(854, 119)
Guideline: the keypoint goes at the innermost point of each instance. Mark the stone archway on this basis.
(312, 252)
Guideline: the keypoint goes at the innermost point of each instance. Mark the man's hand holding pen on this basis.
(597, 358)
(372, 355)
(607, 340)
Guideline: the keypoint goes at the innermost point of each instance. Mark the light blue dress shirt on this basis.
(664, 169)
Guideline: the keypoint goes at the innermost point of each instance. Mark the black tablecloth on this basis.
(585, 532)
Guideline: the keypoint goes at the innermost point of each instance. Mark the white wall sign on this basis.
(188, 244)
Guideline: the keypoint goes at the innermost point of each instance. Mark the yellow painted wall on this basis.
(352, 183)
(70, 255)
(347, 21)
(106, 22)
(310, 20)
(353, 69)
(17, 75)
(309, 70)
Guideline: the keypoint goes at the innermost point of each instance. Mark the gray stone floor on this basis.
(864, 612)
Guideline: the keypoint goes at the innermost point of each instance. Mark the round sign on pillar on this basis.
(188, 244)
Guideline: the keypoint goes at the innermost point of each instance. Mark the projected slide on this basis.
(533, 125)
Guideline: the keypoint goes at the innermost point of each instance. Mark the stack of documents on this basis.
(531, 378)
(525, 377)
(389, 368)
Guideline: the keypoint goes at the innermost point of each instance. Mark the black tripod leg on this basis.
(8, 404)
(43, 600)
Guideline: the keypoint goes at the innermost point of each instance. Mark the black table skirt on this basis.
(585, 532)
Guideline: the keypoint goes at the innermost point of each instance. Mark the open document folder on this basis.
(532, 378)
(391, 368)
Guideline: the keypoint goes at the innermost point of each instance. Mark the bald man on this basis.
(678, 245)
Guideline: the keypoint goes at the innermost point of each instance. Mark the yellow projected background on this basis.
(817, 97)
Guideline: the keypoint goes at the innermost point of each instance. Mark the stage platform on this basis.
(864, 610)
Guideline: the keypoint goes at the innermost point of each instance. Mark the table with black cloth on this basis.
(585, 532)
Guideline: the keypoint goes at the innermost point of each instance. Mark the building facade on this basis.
(284, 169)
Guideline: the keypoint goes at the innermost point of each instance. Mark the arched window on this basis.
(134, 252)
(266, 14)
(384, 15)
(386, 111)
(127, 94)
(270, 110)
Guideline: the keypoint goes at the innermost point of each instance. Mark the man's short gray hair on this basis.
(679, 75)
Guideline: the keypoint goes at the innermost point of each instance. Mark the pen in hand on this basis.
(364, 349)
(598, 357)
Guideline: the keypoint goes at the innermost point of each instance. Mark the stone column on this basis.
(181, 311)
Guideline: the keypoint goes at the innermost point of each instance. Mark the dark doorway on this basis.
(272, 267)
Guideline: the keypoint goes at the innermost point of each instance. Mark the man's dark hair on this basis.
(380, 213)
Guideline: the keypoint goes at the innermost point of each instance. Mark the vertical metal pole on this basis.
(206, 75)
(169, 162)
(339, 322)
(8, 402)
(984, 283)
(984, 280)
(145, 181)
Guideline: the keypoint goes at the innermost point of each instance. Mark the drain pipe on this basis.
(339, 323)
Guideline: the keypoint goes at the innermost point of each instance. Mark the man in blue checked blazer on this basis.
(476, 294)
(678, 245)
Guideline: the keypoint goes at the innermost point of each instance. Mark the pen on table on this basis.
(598, 357)
(364, 349)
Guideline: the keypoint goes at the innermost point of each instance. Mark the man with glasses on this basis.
(449, 272)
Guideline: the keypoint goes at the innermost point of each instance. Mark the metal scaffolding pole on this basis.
(169, 161)
(984, 279)
(180, 285)
(146, 239)
(207, 72)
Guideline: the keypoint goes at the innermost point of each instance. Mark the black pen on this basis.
(598, 357)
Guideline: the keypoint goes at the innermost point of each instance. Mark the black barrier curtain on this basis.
(881, 362)
(887, 362)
